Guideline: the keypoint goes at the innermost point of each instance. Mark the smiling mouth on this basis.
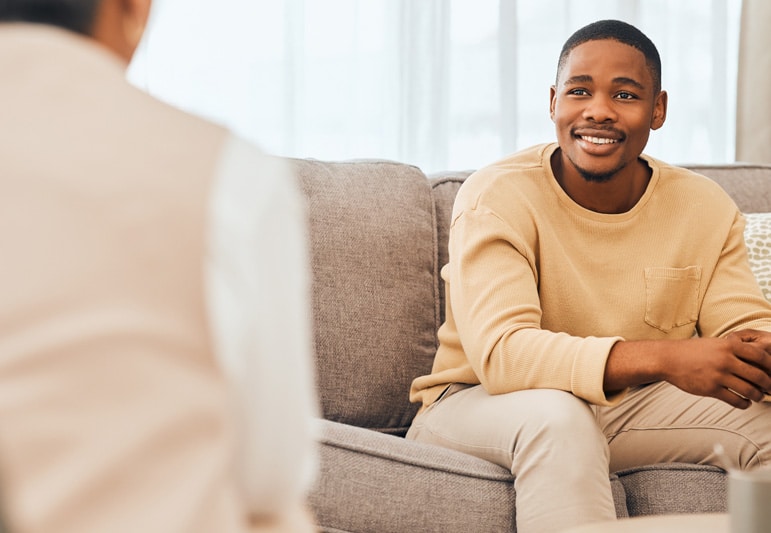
(598, 140)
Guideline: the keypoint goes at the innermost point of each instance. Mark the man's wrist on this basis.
(632, 363)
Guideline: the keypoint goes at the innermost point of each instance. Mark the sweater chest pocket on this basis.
(672, 296)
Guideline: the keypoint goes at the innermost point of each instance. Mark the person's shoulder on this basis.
(523, 160)
(679, 181)
(508, 175)
(244, 153)
(252, 176)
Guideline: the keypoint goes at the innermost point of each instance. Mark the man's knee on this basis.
(559, 421)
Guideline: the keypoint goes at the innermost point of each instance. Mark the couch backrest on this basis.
(375, 284)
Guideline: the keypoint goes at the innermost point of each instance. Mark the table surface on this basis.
(676, 523)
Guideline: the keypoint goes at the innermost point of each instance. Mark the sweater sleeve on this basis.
(495, 302)
(733, 299)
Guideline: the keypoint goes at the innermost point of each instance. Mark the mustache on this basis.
(591, 129)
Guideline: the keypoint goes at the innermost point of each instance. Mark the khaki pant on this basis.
(561, 450)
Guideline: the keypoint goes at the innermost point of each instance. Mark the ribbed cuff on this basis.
(588, 373)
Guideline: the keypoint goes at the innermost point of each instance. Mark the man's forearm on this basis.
(632, 363)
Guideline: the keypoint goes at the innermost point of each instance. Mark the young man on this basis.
(154, 322)
(579, 273)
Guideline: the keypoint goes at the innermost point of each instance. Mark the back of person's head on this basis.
(618, 31)
(74, 15)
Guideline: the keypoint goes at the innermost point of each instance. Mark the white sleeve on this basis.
(257, 275)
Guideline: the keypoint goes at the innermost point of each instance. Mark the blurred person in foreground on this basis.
(154, 320)
(601, 309)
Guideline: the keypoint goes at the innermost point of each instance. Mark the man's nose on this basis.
(600, 109)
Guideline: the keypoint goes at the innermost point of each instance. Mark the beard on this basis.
(597, 177)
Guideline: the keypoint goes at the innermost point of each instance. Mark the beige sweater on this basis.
(539, 288)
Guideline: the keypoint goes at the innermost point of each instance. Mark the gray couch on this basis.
(378, 239)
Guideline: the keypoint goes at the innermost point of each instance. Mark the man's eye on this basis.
(578, 92)
(625, 96)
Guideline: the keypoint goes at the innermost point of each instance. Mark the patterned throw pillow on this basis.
(757, 235)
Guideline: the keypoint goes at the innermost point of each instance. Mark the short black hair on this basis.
(74, 15)
(618, 31)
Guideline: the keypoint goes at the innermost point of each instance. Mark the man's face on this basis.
(604, 107)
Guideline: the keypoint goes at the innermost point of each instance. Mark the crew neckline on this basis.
(583, 212)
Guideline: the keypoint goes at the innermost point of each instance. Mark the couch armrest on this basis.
(374, 482)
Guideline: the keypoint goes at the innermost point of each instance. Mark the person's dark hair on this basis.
(75, 15)
(617, 31)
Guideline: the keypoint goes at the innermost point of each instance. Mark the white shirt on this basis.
(258, 298)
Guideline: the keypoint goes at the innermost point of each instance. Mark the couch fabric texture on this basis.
(378, 237)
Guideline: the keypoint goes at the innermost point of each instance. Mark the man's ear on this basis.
(552, 101)
(659, 110)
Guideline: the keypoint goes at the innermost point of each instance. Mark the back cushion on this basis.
(375, 287)
(749, 185)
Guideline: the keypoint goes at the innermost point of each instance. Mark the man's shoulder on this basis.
(680, 181)
(511, 175)
(528, 159)
(252, 178)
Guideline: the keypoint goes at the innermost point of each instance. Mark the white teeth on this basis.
(598, 140)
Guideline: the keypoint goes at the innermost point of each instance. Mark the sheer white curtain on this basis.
(443, 84)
